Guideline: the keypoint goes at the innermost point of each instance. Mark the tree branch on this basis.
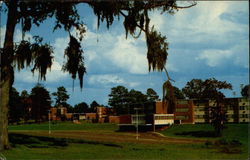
(168, 74)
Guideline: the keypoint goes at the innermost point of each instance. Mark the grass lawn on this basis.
(66, 126)
(205, 131)
(34, 147)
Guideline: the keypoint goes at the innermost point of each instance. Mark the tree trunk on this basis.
(7, 74)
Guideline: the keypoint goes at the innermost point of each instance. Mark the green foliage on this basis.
(245, 92)
(178, 93)
(124, 101)
(118, 99)
(16, 111)
(210, 88)
(61, 96)
(24, 94)
(41, 102)
(93, 106)
(218, 119)
(81, 108)
(152, 95)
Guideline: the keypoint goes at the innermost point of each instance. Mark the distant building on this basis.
(147, 117)
(184, 111)
(236, 109)
(59, 113)
(91, 117)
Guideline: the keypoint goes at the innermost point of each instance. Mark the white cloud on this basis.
(60, 45)
(53, 75)
(133, 84)
(214, 57)
(2, 34)
(105, 79)
(129, 55)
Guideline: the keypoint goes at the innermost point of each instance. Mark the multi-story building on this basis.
(59, 113)
(200, 111)
(184, 111)
(244, 113)
(148, 117)
(236, 110)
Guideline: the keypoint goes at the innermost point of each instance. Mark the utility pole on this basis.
(137, 123)
(49, 122)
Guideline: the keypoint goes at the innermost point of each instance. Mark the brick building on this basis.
(147, 117)
(184, 111)
(236, 109)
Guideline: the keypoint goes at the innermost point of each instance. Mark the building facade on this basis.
(236, 110)
(184, 111)
(148, 117)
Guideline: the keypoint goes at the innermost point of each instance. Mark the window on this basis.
(182, 110)
(182, 117)
(199, 117)
(163, 117)
(182, 102)
(242, 107)
(244, 116)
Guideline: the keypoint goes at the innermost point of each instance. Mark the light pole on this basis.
(49, 122)
(137, 123)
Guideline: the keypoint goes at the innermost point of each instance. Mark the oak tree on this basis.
(39, 55)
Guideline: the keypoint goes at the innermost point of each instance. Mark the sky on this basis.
(209, 40)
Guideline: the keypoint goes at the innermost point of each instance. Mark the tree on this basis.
(26, 103)
(30, 14)
(24, 94)
(193, 89)
(124, 101)
(61, 96)
(178, 93)
(93, 106)
(70, 109)
(245, 91)
(118, 99)
(81, 108)
(16, 108)
(152, 95)
(210, 89)
(41, 103)
(136, 99)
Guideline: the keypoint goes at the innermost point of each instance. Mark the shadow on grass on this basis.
(198, 134)
(36, 142)
(47, 142)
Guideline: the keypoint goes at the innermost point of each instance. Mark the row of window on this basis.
(163, 117)
(182, 117)
(181, 109)
(182, 102)
(243, 116)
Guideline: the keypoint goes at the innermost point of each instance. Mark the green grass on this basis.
(51, 148)
(66, 126)
(33, 147)
(205, 131)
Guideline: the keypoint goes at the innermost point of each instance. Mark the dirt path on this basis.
(117, 137)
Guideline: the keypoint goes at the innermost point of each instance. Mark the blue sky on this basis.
(205, 41)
